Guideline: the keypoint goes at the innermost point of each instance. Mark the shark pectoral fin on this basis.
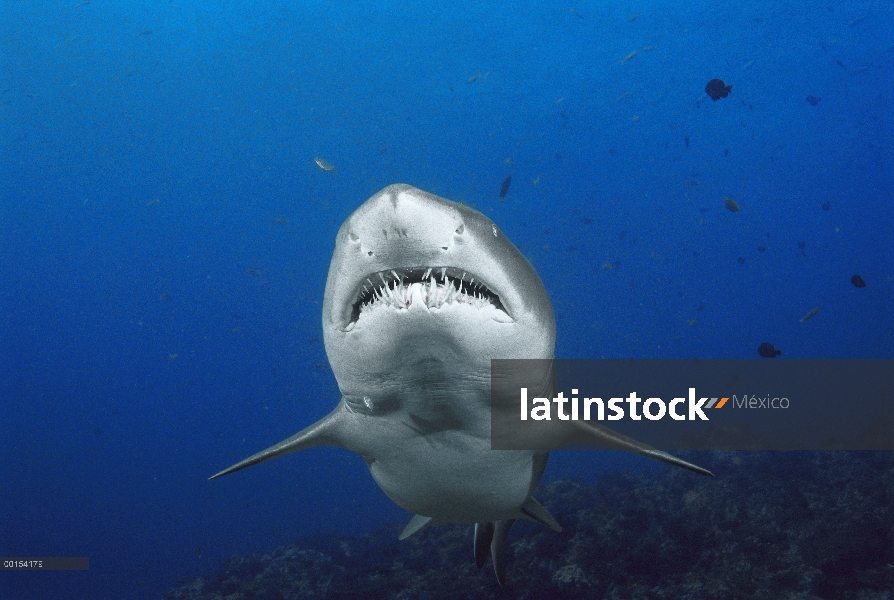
(417, 523)
(497, 548)
(597, 434)
(484, 535)
(534, 511)
(325, 432)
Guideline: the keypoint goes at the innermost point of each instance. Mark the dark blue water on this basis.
(165, 232)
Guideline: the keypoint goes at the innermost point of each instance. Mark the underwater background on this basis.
(168, 212)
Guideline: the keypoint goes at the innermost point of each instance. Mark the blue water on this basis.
(165, 232)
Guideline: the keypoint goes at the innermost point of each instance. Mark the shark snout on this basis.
(399, 221)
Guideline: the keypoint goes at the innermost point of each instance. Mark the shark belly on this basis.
(440, 468)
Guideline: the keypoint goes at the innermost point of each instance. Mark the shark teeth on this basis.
(436, 286)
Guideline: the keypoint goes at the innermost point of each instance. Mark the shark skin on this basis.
(422, 293)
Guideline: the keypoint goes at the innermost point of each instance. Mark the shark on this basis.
(422, 294)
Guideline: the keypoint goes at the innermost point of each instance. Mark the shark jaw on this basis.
(434, 288)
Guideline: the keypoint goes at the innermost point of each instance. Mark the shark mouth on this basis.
(437, 287)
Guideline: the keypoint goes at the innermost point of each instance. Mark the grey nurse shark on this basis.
(422, 293)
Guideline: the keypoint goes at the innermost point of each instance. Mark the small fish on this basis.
(732, 205)
(324, 164)
(153, 201)
(473, 78)
(623, 95)
(628, 57)
(560, 100)
(810, 315)
(841, 64)
(746, 65)
(504, 189)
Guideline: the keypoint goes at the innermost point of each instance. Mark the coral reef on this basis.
(794, 525)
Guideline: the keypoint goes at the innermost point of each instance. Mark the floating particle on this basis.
(741, 260)
(802, 245)
(731, 205)
(858, 281)
(628, 57)
(810, 314)
(649, 48)
(686, 141)
(632, 18)
(504, 188)
(768, 350)
(827, 206)
(718, 89)
(473, 78)
(813, 100)
(324, 164)
(761, 248)
(150, 203)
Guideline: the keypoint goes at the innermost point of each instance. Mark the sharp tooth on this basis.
(396, 276)
(382, 277)
(427, 273)
(444, 273)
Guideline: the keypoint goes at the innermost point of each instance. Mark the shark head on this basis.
(422, 294)
(418, 283)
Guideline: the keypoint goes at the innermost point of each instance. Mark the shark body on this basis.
(422, 293)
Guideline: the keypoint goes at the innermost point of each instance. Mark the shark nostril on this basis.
(354, 237)
(443, 247)
(460, 229)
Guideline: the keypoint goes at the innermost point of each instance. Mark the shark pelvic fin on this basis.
(416, 524)
(324, 432)
(594, 433)
(534, 511)
(498, 546)
(484, 535)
